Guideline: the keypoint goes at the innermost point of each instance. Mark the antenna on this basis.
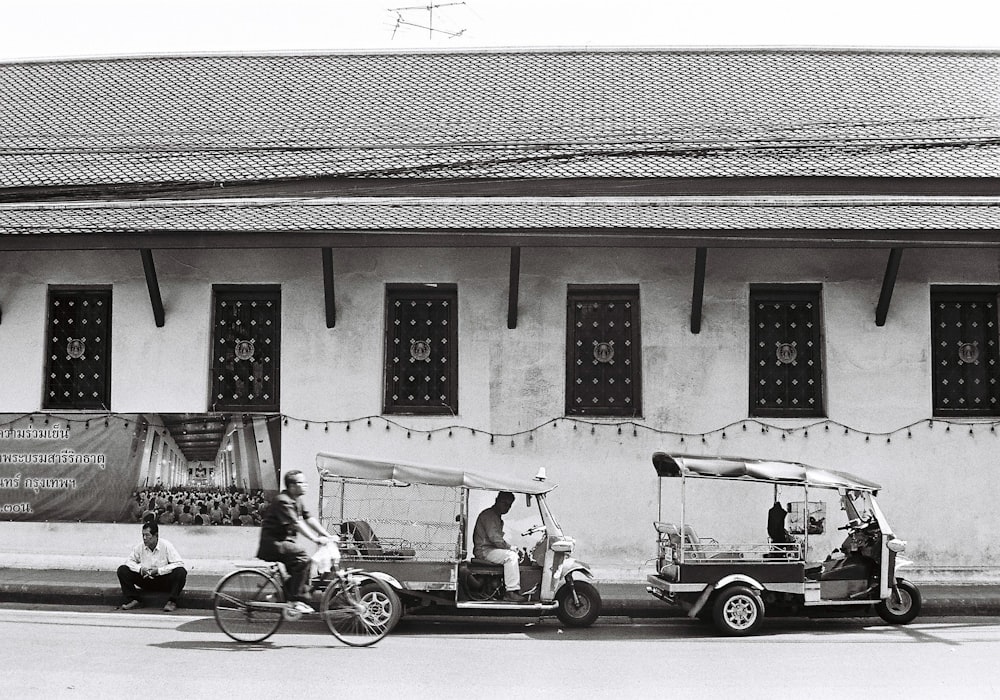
(429, 9)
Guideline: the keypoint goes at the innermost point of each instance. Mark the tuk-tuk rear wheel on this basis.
(738, 611)
(383, 603)
(903, 610)
(581, 612)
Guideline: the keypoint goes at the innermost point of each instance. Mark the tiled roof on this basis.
(376, 214)
(501, 114)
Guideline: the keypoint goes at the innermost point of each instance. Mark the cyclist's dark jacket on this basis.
(280, 517)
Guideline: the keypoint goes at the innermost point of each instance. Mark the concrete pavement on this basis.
(621, 597)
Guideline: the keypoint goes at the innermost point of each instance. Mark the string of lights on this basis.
(971, 426)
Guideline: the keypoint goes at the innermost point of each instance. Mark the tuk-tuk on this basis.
(735, 582)
(411, 522)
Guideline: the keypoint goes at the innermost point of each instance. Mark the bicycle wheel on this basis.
(354, 609)
(248, 605)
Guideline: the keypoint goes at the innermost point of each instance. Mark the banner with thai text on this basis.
(188, 469)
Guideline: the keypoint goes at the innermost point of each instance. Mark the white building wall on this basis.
(938, 482)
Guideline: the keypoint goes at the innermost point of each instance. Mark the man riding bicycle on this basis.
(284, 519)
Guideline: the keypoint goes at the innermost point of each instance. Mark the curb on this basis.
(628, 599)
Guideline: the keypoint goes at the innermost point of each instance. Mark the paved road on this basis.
(91, 653)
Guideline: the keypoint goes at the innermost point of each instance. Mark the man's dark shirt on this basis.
(776, 525)
(280, 517)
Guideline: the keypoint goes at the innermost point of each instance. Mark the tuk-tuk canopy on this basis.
(332, 465)
(767, 471)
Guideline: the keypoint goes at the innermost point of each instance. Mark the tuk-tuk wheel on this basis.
(901, 610)
(383, 603)
(582, 613)
(738, 611)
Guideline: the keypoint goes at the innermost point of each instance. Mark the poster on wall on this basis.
(811, 515)
(186, 469)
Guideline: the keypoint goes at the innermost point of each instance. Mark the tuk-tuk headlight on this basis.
(897, 546)
(562, 545)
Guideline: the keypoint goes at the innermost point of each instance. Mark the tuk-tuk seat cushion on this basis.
(695, 547)
(481, 566)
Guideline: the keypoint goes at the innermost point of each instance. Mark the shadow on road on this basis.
(774, 630)
(208, 625)
(272, 643)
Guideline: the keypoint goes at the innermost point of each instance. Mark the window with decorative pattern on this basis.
(786, 358)
(603, 366)
(421, 349)
(964, 351)
(78, 360)
(246, 348)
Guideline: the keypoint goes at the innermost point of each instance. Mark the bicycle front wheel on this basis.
(248, 605)
(353, 609)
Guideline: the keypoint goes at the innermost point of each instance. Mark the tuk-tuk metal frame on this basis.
(703, 568)
(426, 572)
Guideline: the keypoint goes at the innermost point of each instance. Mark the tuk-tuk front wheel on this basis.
(581, 611)
(902, 609)
(738, 611)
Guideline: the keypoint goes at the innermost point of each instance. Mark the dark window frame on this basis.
(970, 293)
(421, 291)
(103, 402)
(605, 292)
(273, 406)
(786, 293)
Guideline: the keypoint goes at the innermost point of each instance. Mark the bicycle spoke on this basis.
(353, 618)
(248, 605)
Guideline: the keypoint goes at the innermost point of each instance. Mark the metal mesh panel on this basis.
(407, 521)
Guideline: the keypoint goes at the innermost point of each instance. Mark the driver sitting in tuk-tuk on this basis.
(489, 545)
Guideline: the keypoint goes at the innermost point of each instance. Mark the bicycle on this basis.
(250, 604)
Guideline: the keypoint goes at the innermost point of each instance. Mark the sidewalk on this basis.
(620, 597)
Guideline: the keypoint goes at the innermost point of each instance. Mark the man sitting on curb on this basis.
(153, 565)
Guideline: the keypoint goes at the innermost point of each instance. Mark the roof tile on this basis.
(501, 114)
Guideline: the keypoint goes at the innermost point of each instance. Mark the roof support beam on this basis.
(328, 297)
(514, 287)
(888, 283)
(700, 256)
(153, 286)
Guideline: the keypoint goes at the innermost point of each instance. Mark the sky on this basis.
(63, 28)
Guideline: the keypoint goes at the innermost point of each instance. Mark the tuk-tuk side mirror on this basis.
(527, 500)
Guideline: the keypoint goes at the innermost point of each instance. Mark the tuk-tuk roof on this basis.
(334, 465)
(768, 471)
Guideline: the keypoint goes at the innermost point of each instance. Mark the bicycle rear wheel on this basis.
(248, 605)
(353, 609)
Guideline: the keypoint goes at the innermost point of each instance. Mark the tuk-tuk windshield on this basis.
(857, 505)
(548, 518)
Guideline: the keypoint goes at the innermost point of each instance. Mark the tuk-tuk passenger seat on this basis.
(693, 543)
(668, 529)
(481, 566)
